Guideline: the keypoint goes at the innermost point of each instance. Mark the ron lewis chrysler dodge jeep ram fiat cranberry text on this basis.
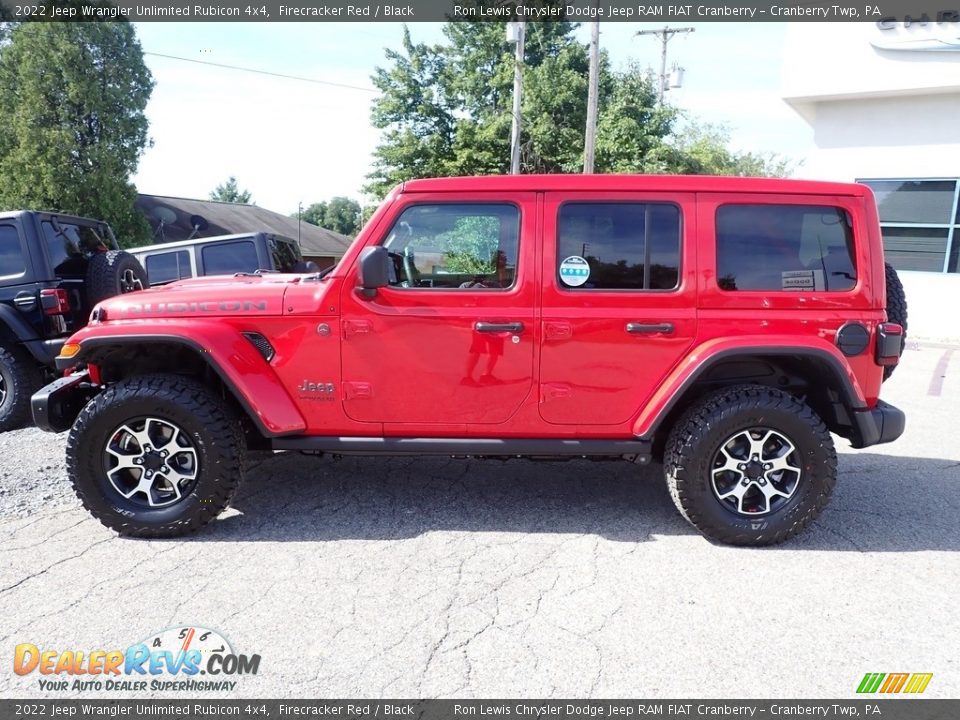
(725, 327)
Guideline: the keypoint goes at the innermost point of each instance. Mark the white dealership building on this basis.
(883, 99)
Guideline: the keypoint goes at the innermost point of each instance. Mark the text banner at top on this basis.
(886, 13)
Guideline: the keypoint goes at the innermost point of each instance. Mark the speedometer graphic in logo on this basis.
(183, 639)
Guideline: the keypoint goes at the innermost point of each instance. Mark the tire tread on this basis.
(717, 408)
(24, 379)
(210, 411)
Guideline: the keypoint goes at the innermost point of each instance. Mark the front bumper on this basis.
(57, 405)
(882, 424)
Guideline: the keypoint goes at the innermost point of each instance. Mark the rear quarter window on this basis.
(11, 253)
(285, 254)
(168, 266)
(785, 247)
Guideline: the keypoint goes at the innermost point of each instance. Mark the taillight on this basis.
(889, 343)
(55, 301)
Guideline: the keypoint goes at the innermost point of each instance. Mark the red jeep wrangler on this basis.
(722, 326)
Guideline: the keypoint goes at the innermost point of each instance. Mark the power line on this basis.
(262, 72)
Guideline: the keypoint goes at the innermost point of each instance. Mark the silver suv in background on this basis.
(221, 255)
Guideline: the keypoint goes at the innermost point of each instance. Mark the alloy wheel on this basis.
(151, 462)
(755, 471)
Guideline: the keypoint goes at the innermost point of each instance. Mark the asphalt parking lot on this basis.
(425, 578)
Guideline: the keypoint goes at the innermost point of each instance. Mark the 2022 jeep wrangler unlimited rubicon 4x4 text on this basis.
(724, 326)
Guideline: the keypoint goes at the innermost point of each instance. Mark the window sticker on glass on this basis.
(574, 271)
(802, 280)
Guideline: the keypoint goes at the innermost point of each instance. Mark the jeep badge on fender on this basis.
(727, 328)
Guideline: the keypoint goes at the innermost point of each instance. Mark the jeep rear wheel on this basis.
(19, 379)
(750, 465)
(896, 308)
(156, 456)
(113, 273)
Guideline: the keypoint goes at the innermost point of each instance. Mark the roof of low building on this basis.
(174, 218)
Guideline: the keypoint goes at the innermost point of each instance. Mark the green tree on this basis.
(445, 109)
(230, 192)
(703, 149)
(631, 128)
(315, 214)
(342, 216)
(72, 99)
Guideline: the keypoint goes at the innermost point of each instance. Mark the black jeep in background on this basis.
(53, 269)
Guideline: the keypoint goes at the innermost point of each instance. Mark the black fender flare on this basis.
(859, 414)
(15, 330)
(88, 354)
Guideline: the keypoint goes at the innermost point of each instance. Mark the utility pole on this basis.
(299, 213)
(664, 36)
(515, 33)
(590, 137)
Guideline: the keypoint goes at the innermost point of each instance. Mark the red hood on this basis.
(221, 295)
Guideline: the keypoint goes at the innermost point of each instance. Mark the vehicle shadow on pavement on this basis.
(882, 503)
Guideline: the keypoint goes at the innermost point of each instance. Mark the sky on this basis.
(290, 141)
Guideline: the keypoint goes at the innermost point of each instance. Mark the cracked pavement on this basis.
(413, 577)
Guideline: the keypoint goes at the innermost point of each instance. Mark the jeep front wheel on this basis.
(156, 456)
(750, 465)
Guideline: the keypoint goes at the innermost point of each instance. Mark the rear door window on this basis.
(168, 266)
(618, 246)
(12, 262)
(785, 247)
(230, 257)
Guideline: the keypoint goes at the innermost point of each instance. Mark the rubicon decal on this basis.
(890, 683)
(182, 652)
(212, 306)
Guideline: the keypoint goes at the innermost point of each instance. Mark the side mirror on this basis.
(374, 270)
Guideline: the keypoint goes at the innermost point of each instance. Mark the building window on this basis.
(920, 222)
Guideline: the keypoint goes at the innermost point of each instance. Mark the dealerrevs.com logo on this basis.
(181, 659)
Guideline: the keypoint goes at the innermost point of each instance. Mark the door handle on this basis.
(490, 327)
(649, 328)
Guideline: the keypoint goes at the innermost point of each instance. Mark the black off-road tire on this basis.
(211, 425)
(896, 308)
(20, 378)
(113, 273)
(697, 437)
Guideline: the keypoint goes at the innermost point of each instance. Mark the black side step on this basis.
(463, 446)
